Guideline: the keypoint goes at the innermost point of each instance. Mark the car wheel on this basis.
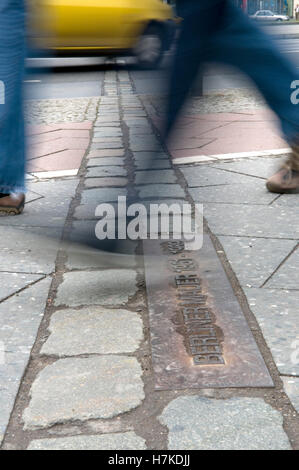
(279, 19)
(150, 48)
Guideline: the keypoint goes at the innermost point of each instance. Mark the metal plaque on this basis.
(199, 335)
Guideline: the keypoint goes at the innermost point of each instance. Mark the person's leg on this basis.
(12, 146)
(241, 43)
(201, 18)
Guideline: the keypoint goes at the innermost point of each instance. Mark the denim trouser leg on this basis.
(234, 40)
(243, 44)
(12, 55)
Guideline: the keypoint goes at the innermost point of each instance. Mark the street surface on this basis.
(80, 361)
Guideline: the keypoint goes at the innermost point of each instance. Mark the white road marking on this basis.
(230, 156)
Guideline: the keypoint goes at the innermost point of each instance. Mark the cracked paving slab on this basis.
(197, 423)
(84, 388)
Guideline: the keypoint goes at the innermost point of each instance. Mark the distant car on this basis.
(267, 15)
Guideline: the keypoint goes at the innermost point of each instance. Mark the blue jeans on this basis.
(12, 58)
(215, 30)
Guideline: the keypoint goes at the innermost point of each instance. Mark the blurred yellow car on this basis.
(144, 28)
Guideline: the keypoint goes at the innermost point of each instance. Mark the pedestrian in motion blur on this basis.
(216, 30)
(12, 146)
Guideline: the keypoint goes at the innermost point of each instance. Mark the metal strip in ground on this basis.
(199, 335)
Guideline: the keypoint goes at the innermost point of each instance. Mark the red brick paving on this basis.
(57, 146)
(210, 134)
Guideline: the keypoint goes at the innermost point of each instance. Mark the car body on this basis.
(103, 26)
(268, 15)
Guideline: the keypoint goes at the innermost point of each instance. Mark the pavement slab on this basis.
(20, 318)
(49, 211)
(110, 288)
(107, 162)
(118, 441)
(197, 423)
(159, 177)
(277, 314)
(287, 276)
(252, 220)
(259, 167)
(116, 181)
(10, 283)
(23, 249)
(93, 331)
(255, 259)
(91, 198)
(209, 176)
(104, 171)
(291, 386)
(81, 389)
(161, 190)
(251, 192)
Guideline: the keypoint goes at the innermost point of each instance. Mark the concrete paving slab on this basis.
(203, 175)
(259, 167)
(253, 221)
(287, 276)
(197, 423)
(49, 211)
(10, 283)
(20, 318)
(29, 250)
(277, 314)
(247, 193)
(76, 389)
(291, 386)
(254, 259)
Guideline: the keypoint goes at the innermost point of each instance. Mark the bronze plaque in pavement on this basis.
(199, 335)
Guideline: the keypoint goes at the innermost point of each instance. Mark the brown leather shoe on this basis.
(12, 204)
(287, 178)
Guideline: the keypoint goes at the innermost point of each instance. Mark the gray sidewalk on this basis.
(77, 370)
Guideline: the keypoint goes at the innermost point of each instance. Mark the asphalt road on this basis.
(78, 77)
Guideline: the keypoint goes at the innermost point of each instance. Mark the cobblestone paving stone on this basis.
(93, 331)
(81, 389)
(111, 287)
(197, 423)
(117, 441)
